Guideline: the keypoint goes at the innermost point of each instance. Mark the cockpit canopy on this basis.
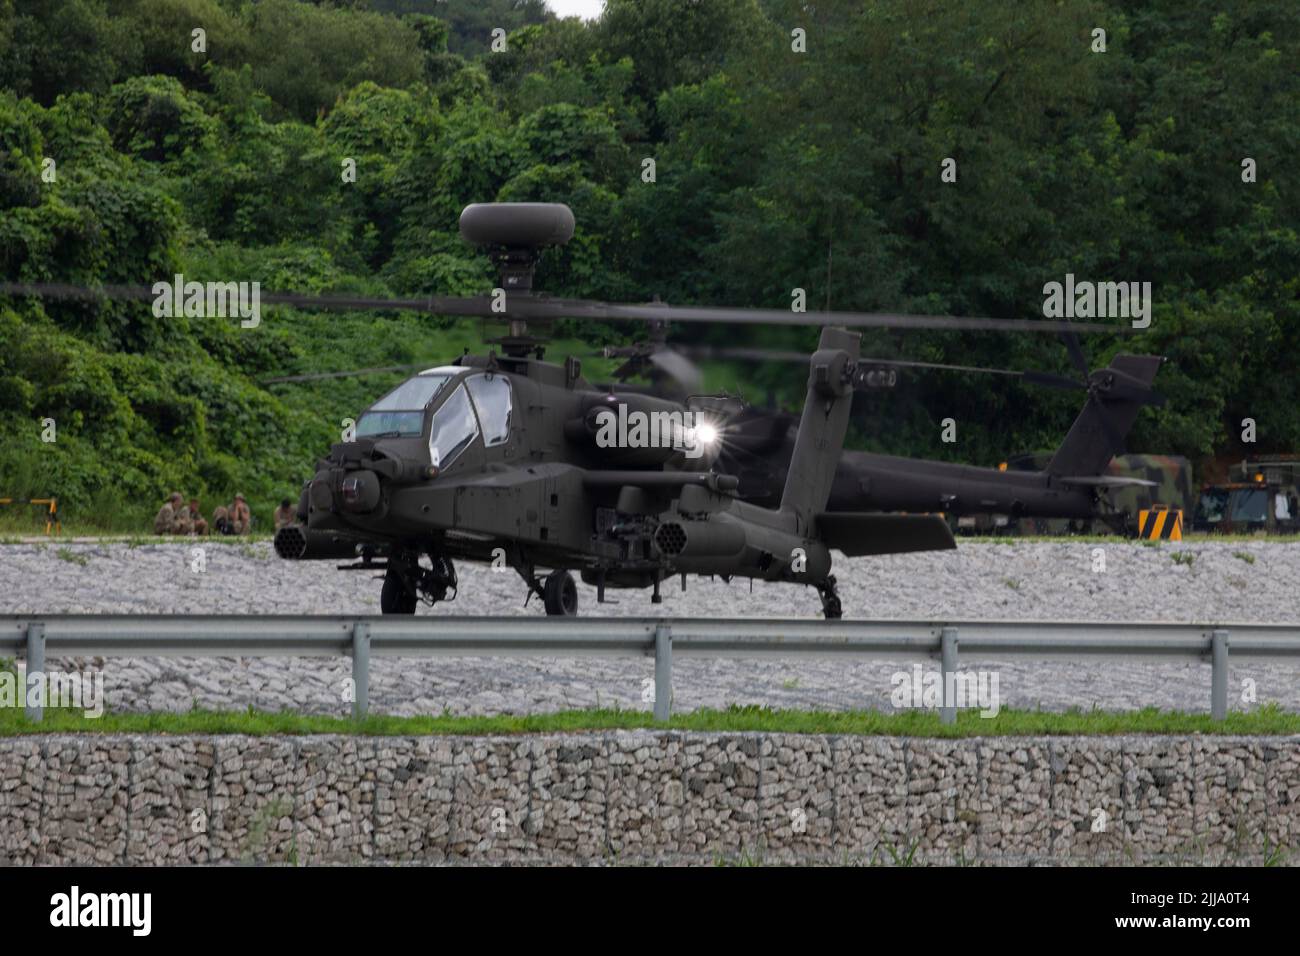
(400, 413)
(458, 405)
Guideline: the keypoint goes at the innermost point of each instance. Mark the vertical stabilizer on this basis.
(1097, 435)
(822, 427)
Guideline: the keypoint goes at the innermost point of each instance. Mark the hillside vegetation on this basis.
(774, 170)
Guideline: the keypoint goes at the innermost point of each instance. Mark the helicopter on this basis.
(499, 458)
(506, 458)
(1076, 483)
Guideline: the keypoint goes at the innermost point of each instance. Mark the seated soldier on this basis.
(196, 516)
(285, 514)
(165, 520)
(240, 518)
(221, 521)
(182, 523)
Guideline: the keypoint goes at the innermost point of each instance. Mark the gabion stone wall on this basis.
(648, 796)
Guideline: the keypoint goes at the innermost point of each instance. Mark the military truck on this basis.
(1262, 496)
(1118, 508)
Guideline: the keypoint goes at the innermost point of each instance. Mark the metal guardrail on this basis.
(234, 635)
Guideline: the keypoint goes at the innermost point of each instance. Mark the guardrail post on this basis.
(663, 671)
(35, 665)
(1219, 675)
(360, 669)
(948, 667)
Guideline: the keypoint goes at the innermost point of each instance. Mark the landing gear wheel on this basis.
(832, 609)
(560, 594)
(396, 597)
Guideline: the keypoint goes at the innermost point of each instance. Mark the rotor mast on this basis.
(514, 236)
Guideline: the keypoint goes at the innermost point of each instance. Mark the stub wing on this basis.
(857, 535)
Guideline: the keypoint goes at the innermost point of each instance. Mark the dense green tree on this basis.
(471, 22)
(163, 37)
(48, 47)
(776, 167)
(676, 41)
(304, 57)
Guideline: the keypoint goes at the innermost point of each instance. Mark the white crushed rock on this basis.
(1017, 580)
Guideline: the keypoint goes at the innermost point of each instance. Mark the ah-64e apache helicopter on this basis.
(504, 458)
(500, 457)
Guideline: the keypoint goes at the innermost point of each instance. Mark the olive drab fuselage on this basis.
(535, 486)
(551, 496)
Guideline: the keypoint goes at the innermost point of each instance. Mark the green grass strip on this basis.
(1268, 720)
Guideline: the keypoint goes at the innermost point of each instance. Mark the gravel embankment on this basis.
(1022, 580)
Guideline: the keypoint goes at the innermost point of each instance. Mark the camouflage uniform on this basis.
(173, 517)
(182, 523)
(240, 518)
(221, 520)
(163, 521)
(285, 516)
(196, 517)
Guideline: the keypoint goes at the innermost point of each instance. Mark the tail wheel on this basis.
(396, 597)
(560, 594)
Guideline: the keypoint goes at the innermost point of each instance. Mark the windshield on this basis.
(414, 393)
(1250, 505)
(491, 394)
(454, 428)
(390, 425)
(400, 413)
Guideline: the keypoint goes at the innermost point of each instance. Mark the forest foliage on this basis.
(774, 170)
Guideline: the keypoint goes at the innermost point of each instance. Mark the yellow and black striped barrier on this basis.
(52, 523)
(1161, 524)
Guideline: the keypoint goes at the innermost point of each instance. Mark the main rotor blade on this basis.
(444, 305)
(778, 355)
(1049, 380)
(527, 306)
(678, 368)
(314, 376)
(743, 353)
(1037, 378)
(542, 307)
(1075, 350)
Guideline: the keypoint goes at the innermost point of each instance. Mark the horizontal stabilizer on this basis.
(1107, 481)
(857, 535)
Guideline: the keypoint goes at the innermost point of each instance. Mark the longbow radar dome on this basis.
(526, 225)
